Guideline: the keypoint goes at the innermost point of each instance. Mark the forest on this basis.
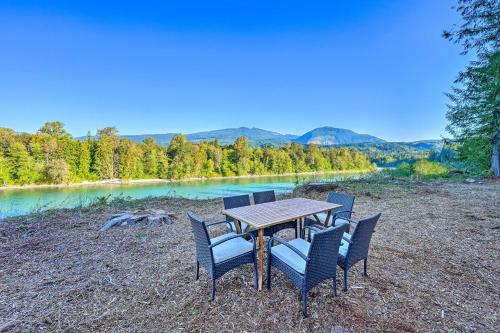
(53, 156)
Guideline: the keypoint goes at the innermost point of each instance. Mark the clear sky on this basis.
(376, 67)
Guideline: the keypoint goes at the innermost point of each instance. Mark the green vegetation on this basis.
(52, 156)
(474, 108)
(391, 154)
(422, 169)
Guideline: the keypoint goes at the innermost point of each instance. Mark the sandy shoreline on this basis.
(118, 181)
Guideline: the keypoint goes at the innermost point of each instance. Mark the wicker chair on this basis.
(269, 196)
(307, 264)
(343, 213)
(355, 246)
(221, 254)
(235, 202)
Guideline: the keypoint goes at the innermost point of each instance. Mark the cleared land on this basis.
(434, 265)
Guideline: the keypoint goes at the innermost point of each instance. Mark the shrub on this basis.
(403, 170)
(428, 169)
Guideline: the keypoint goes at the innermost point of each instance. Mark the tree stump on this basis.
(151, 217)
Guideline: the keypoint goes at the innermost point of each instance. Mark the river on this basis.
(15, 202)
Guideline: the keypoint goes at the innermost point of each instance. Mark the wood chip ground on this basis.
(434, 266)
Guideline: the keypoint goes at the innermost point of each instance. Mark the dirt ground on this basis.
(434, 266)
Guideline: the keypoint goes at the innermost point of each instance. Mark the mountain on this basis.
(256, 136)
(335, 136)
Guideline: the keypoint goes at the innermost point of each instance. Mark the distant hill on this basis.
(327, 136)
(256, 136)
(381, 152)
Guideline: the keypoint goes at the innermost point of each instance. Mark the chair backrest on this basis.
(346, 200)
(264, 196)
(323, 254)
(361, 238)
(202, 240)
(235, 202)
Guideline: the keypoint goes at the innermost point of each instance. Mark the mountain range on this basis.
(256, 136)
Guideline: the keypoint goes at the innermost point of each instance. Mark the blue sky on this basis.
(376, 67)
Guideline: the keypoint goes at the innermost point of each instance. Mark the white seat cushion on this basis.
(291, 258)
(344, 246)
(231, 248)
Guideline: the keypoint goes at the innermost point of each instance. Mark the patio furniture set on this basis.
(322, 240)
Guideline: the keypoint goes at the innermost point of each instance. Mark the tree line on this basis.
(53, 156)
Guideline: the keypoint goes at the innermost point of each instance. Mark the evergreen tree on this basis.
(104, 157)
(474, 108)
(151, 157)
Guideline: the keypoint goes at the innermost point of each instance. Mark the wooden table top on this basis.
(271, 213)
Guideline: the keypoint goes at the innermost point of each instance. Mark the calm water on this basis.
(19, 202)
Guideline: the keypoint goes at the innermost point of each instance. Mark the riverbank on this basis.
(118, 181)
(433, 267)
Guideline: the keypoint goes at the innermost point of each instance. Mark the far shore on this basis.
(118, 181)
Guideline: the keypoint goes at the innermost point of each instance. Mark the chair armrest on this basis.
(209, 224)
(232, 237)
(350, 220)
(220, 222)
(284, 242)
(334, 216)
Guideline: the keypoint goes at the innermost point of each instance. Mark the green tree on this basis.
(54, 129)
(4, 171)
(130, 160)
(151, 156)
(281, 162)
(56, 171)
(84, 160)
(21, 165)
(474, 108)
(104, 157)
(242, 154)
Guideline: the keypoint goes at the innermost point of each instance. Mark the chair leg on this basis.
(213, 290)
(345, 280)
(197, 269)
(269, 270)
(335, 286)
(365, 267)
(304, 303)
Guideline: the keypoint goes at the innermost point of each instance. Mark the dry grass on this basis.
(433, 266)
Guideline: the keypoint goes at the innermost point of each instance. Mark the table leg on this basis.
(298, 228)
(237, 225)
(317, 219)
(328, 214)
(261, 257)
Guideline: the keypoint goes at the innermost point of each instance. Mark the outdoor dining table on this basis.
(269, 214)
